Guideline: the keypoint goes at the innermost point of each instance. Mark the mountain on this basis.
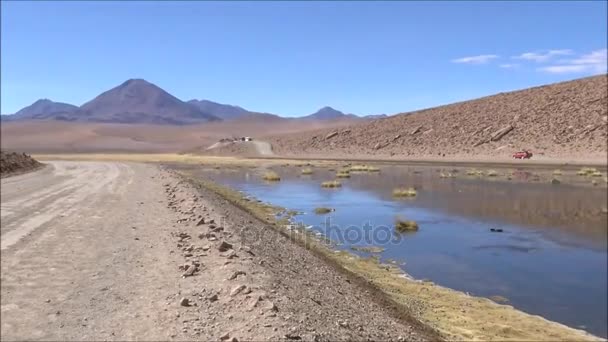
(222, 111)
(45, 109)
(328, 113)
(139, 101)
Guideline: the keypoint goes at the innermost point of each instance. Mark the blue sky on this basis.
(292, 58)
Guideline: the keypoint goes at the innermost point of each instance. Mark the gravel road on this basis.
(127, 251)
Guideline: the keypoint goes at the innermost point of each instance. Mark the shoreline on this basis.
(453, 314)
(199, 158)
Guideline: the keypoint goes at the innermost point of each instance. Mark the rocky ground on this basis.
(13, 163)
(565, 121)
(124, 251)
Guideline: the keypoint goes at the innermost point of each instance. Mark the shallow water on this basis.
(549, 260)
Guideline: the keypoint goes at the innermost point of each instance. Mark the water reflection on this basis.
(549, 259)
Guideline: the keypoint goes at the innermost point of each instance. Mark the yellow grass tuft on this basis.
(331, 184)
(323, 210)
(307, 171)
(271, 176)
(343, 174)
(405, 225)
(404, 192)
(363, 168)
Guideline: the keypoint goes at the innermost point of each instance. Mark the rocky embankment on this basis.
(565, 120)
(245, 281)
(14, 163)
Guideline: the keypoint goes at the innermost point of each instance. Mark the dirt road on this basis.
(118, 251)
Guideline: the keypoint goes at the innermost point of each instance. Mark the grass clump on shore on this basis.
(492, 173)
(596, 174)
(271, 176)
(405, 225)
(587, 171)
(446, 175)
(307, 171)
(343, 174)
(474, 172)
(368, 249)
(404, 192)
(557, 172)
(323, 210)
(331, 184)
(363, 168)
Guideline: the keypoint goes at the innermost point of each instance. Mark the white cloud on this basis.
(480, 59)
(595, 57)
(564, 69)
(509, 66)
(543, 56)
(593, 62)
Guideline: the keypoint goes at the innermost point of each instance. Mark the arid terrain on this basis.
(102, 250)
(565, 121)
(560, 122)
(124, 251)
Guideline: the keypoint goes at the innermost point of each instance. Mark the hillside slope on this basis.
(566, 120)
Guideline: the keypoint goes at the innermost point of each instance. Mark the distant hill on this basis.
(45, 109)
(139, 101)
(328, 113)
(222, 111)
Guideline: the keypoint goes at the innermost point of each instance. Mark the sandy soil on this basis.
(119, 251)
(73, 137)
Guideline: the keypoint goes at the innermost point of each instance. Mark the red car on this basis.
(522, 155)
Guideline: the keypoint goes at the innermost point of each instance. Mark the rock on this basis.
(379, 146)
(247, 250)
(201, 222)
(236, 274)
(292, 337)
(184, 302)
(254, 302)
(189, 271)
(397, 137)
(480, 143)
(331, 135)
(235, 291)
(496, 230)
(555, 181)
(416, 130)
(213, 298)
(231, 255)
(501, 133)
(225, 337)
(224, 246)
(272, 307)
